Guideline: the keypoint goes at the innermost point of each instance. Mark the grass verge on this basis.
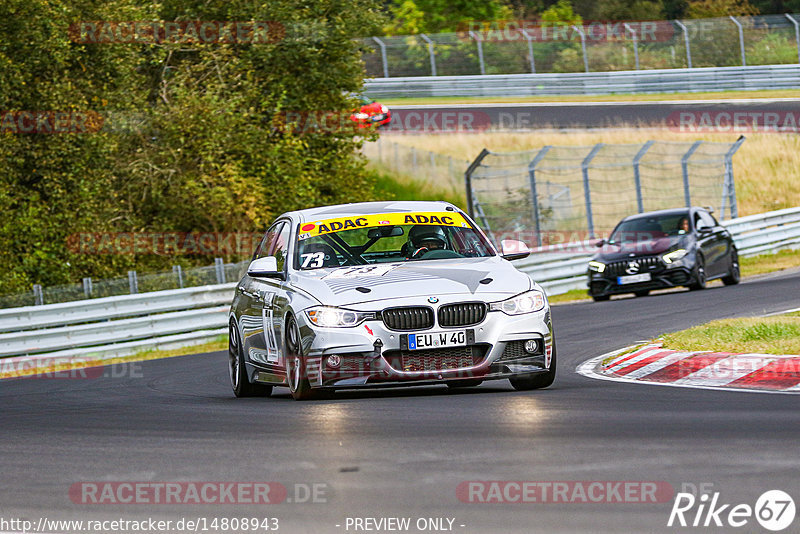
(718, 95)
(767, 335)
(390, 186)
(220, 343)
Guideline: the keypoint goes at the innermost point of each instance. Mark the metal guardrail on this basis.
(110, 327)
(591, 83)
(565, 270)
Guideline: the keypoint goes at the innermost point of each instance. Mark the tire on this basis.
(734, 274)
(468, 383)
(242, 387)
(642, 293)
(296, 375)
(699, 275)
(600, 298)
(537, 381)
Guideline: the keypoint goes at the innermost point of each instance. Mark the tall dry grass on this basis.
(766, 167)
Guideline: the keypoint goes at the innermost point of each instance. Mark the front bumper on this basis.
(600, 284)
(372, 355)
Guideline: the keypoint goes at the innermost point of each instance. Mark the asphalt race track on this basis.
(666, 113)
(404, 452)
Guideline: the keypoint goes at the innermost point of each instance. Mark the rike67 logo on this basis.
(774, 510)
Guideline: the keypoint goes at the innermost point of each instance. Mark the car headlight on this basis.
(326, 316)
(597, 267)
(528, 302)
(361, 116)
(675, 255)
(384, 109)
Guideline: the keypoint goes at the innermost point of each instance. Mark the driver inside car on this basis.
(422, 239)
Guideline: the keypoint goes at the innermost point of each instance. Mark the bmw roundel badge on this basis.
(433, 300)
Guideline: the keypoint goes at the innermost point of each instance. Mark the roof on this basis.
(672, 211)
(364, 208)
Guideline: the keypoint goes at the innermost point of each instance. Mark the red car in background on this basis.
(371, 113)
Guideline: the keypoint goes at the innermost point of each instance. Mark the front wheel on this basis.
(296, 374)
(642, 293)
(600, 298)
(537, 381)
(734, 274)
(699, 275)
(242, 387)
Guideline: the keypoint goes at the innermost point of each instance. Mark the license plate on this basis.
(633, 279)
(437, 340)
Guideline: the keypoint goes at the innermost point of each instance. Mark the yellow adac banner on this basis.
(328, 226)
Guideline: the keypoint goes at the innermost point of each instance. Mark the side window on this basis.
(280, 247)
(268, 241)
(699, 222)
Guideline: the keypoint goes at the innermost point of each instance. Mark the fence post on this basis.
(796, 33)
(383, 57)
(133, 282)
(741, 39)
(687, 197)
(686, 41)
(635, 44)
(178, 271)
(530, 50)
(534, 196)
(430, 53)
(729, 186)
(468, 181)
(637, 177)
(583, 46)
(480, 51)
(219, 267)
(87, 287)
(586, 191)
(38, 295)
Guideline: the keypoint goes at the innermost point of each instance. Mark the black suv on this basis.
(659, 249)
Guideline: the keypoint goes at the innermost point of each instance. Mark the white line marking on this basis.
(592, 104)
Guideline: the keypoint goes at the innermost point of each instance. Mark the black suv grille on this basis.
(646, 265)
(415, 318)
(463, 314)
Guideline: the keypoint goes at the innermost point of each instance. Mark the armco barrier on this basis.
(591, 83)
(118, 326)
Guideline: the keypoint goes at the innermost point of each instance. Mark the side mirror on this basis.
(600, 243)
(514, 250)
(705, 230)
(266, 267)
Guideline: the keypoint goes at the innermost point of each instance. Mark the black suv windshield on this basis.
(388, 237)
(650, 227)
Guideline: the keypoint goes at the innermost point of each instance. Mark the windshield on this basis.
(388, 237)
(648, 228)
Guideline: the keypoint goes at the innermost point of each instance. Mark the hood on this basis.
(372, 108)
(650, 247)
(340, 286)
